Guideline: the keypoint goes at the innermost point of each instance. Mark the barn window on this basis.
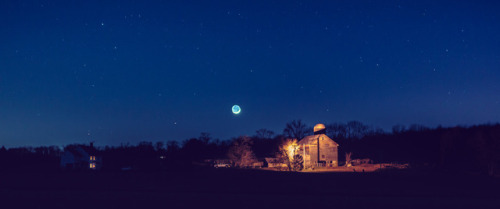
(307, 150)
(322, 156)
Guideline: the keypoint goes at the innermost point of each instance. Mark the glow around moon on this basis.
(236, 109)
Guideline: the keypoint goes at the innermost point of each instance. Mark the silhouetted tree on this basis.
(264, 133)
(397, 129)
(173, 146)
(487, 144)
(417, 127)
(295, 130)
(159, 146)
(205, 137)
(241, 152)
(336, 131)
(356, 129)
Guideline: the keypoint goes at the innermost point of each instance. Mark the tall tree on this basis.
(336, 130)
(264, 133)
(288, 154)
(397, 129)
(356, 129)
(295, 130)
(241, 152)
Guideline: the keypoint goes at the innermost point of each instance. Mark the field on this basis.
(228, 188)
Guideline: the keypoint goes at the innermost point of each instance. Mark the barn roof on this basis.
(312, 139)
(80, 150)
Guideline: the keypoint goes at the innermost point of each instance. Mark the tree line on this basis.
(474, 148)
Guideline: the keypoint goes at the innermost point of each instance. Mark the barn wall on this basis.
(328, 152)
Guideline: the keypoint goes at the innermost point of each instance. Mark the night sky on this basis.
(129, 71)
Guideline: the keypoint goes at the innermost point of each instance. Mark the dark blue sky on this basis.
(127, 71)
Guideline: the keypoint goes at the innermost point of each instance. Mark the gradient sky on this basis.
(127, 71)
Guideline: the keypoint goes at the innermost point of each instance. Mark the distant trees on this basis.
(264, 133)
(350, 130)
(487, 147)
(173, 147)
(42, 158)
(265, 144)
(472, 148)
(396, 129)
(296, 130)
(336, 131)
(240, 152)
(356, 129)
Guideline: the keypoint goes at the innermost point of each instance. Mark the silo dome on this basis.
(319, 128)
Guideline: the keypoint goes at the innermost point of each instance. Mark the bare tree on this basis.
(396, 129)
(264, 133)
(205, 137)
(348, 159)
(159, 146)
(173, 146)
(336, 130)
(417, 127)
(356, 129)
(241, 152)
(295, 130)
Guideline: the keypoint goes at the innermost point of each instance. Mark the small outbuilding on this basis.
(272, 162)
(318, 150)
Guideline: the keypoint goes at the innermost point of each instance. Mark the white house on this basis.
(81, 157)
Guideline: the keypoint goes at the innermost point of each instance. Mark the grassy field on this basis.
(228, 188)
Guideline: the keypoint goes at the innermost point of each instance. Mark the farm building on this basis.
(80, 157)
(318, 150)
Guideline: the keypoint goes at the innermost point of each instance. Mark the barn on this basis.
(318, 150)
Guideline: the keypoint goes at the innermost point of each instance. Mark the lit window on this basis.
(92, 165)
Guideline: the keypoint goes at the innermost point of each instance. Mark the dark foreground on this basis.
(228, 188)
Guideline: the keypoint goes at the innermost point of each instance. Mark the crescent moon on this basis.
(236, 109)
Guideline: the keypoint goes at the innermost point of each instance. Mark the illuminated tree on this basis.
(288, 154)
(348, 159)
